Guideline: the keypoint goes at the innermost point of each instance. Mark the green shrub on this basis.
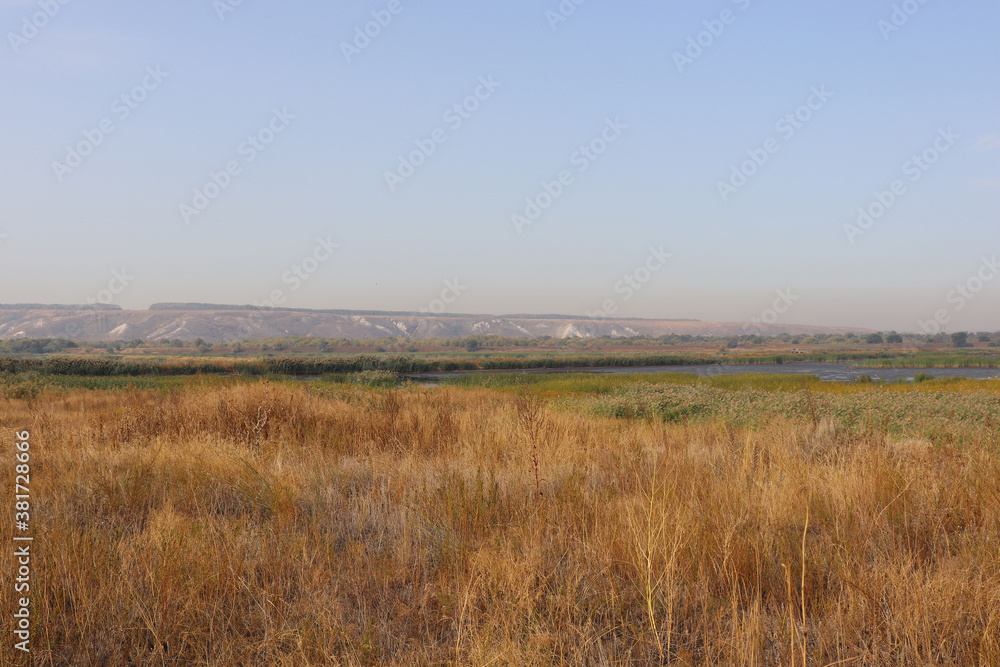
(380, 379)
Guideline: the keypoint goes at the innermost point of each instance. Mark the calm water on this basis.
(833, 372)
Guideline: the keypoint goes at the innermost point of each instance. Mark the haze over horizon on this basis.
(704, 161)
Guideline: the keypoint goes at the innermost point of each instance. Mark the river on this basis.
(829, 371)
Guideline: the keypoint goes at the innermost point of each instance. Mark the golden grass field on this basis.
(255, 523)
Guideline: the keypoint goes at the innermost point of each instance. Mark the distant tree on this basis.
(894, 338)
(324, 346)
(960, 339)
(984, 337)
(472, 345)
(203, 347)
(873, 339)
(732, 341)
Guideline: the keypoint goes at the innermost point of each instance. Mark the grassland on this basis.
(315, 357)
(110, 365)
(969, 359)
(510, 520)
(322, 364)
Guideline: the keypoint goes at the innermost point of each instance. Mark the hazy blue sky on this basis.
(200, 78)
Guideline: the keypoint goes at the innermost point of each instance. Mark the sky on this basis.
(828, 163)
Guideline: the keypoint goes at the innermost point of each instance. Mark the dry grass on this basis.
(264, 524)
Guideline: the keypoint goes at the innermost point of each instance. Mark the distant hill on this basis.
(42, 306)
(584, 317)
(386, 313)
(332, 311)
(217, 323)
